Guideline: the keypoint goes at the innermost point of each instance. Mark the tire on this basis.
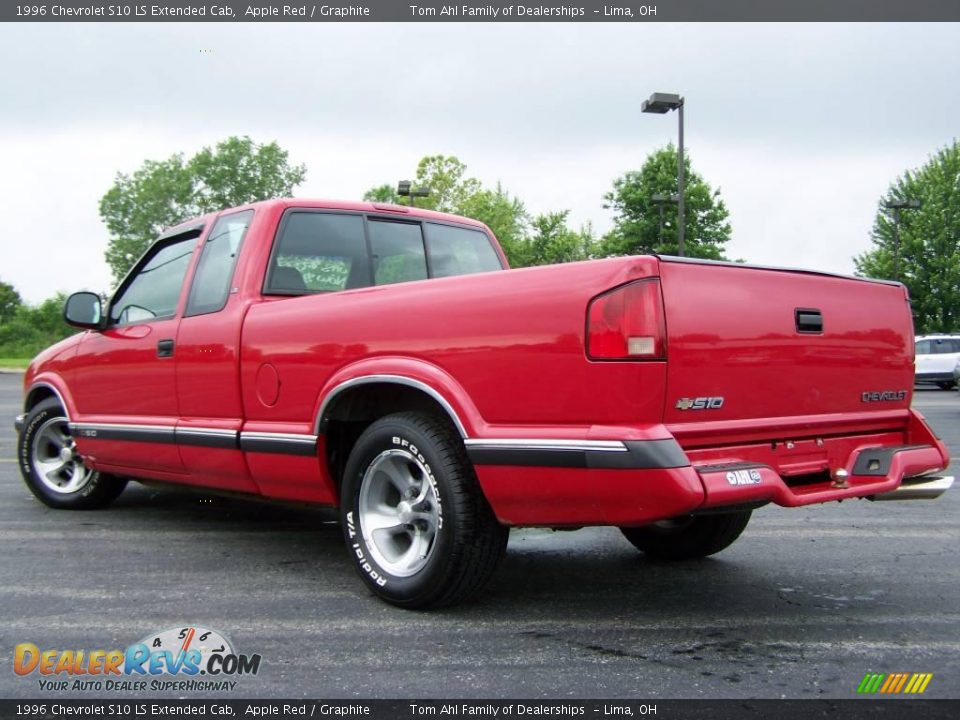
(51, 467)
(689, 537)
(416, 524)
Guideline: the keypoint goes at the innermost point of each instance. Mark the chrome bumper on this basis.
(18, 423)
(921, 488)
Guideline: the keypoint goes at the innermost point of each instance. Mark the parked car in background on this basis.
(936, 358)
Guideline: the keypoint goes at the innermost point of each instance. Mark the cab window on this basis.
(318, 252)
(459, 251)
(153, 291)
(211, 281)
(398, 252)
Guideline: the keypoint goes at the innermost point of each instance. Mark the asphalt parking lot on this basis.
(802, 606)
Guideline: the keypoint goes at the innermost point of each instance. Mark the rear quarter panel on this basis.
(512, 342)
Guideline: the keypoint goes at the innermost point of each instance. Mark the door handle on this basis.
(808, 320)
(165, 348)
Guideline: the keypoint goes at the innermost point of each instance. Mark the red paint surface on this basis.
(506, 351)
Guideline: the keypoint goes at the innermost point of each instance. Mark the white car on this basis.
(937, 356)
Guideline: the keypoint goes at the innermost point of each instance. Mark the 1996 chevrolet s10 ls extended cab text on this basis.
(384, 360)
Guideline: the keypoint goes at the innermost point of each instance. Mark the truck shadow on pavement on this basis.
(593, 571)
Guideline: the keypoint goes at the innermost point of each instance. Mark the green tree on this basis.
(10, 301)
(450, 188)
(31, 329)
(161, 193)
(382, 194)
(543, 240)
(929, 241)
(504, 214)
(637, 221)
(553, 241)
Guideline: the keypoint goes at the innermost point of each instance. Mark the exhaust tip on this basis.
(922, 488)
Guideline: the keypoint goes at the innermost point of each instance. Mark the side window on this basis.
(923, 347)
(398, 254)
(211, 282)
(459, 251)
(153, 292)
(318, 252)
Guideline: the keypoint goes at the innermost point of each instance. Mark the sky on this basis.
(802, 127)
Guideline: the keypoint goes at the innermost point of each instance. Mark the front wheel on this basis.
(417, 526)
(688, 537)
(53, 470)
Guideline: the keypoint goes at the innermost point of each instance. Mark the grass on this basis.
(14, 362)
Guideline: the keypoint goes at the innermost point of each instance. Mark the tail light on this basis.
(627, 323)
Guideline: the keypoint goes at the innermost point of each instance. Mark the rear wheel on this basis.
(419, 530)
(51, 467)
(688, 537)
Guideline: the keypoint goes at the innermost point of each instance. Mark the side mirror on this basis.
(83, 310)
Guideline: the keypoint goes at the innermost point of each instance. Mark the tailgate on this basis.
(766, 354)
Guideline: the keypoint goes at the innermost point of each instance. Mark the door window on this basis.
(211, 281)
(153, 291)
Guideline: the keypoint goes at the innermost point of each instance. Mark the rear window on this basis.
(319, 252)
(459, 251)
(398, 252)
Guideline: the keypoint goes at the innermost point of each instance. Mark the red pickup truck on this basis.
(384, 360)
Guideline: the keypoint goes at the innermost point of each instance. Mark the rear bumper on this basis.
(872, 472)
(631, 482)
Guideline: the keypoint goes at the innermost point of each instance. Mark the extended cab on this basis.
(384, 360)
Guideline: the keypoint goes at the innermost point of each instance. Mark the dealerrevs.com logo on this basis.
(191, 658)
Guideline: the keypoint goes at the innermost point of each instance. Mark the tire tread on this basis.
(105, 488)
(479, 541)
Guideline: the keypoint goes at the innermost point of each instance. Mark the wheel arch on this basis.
(352, 397)
(40, 391)
(350, 404)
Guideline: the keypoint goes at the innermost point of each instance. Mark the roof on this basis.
(321, 204)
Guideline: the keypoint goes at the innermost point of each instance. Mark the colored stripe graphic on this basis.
(894, 683)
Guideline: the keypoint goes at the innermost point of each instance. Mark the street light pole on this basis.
(659, 199)
(680, 182)
(897, 206)
(659, 104)
(405, 187)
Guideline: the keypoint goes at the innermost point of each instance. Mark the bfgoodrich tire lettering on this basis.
(419, 530)
(51, 467)
(690, 537)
